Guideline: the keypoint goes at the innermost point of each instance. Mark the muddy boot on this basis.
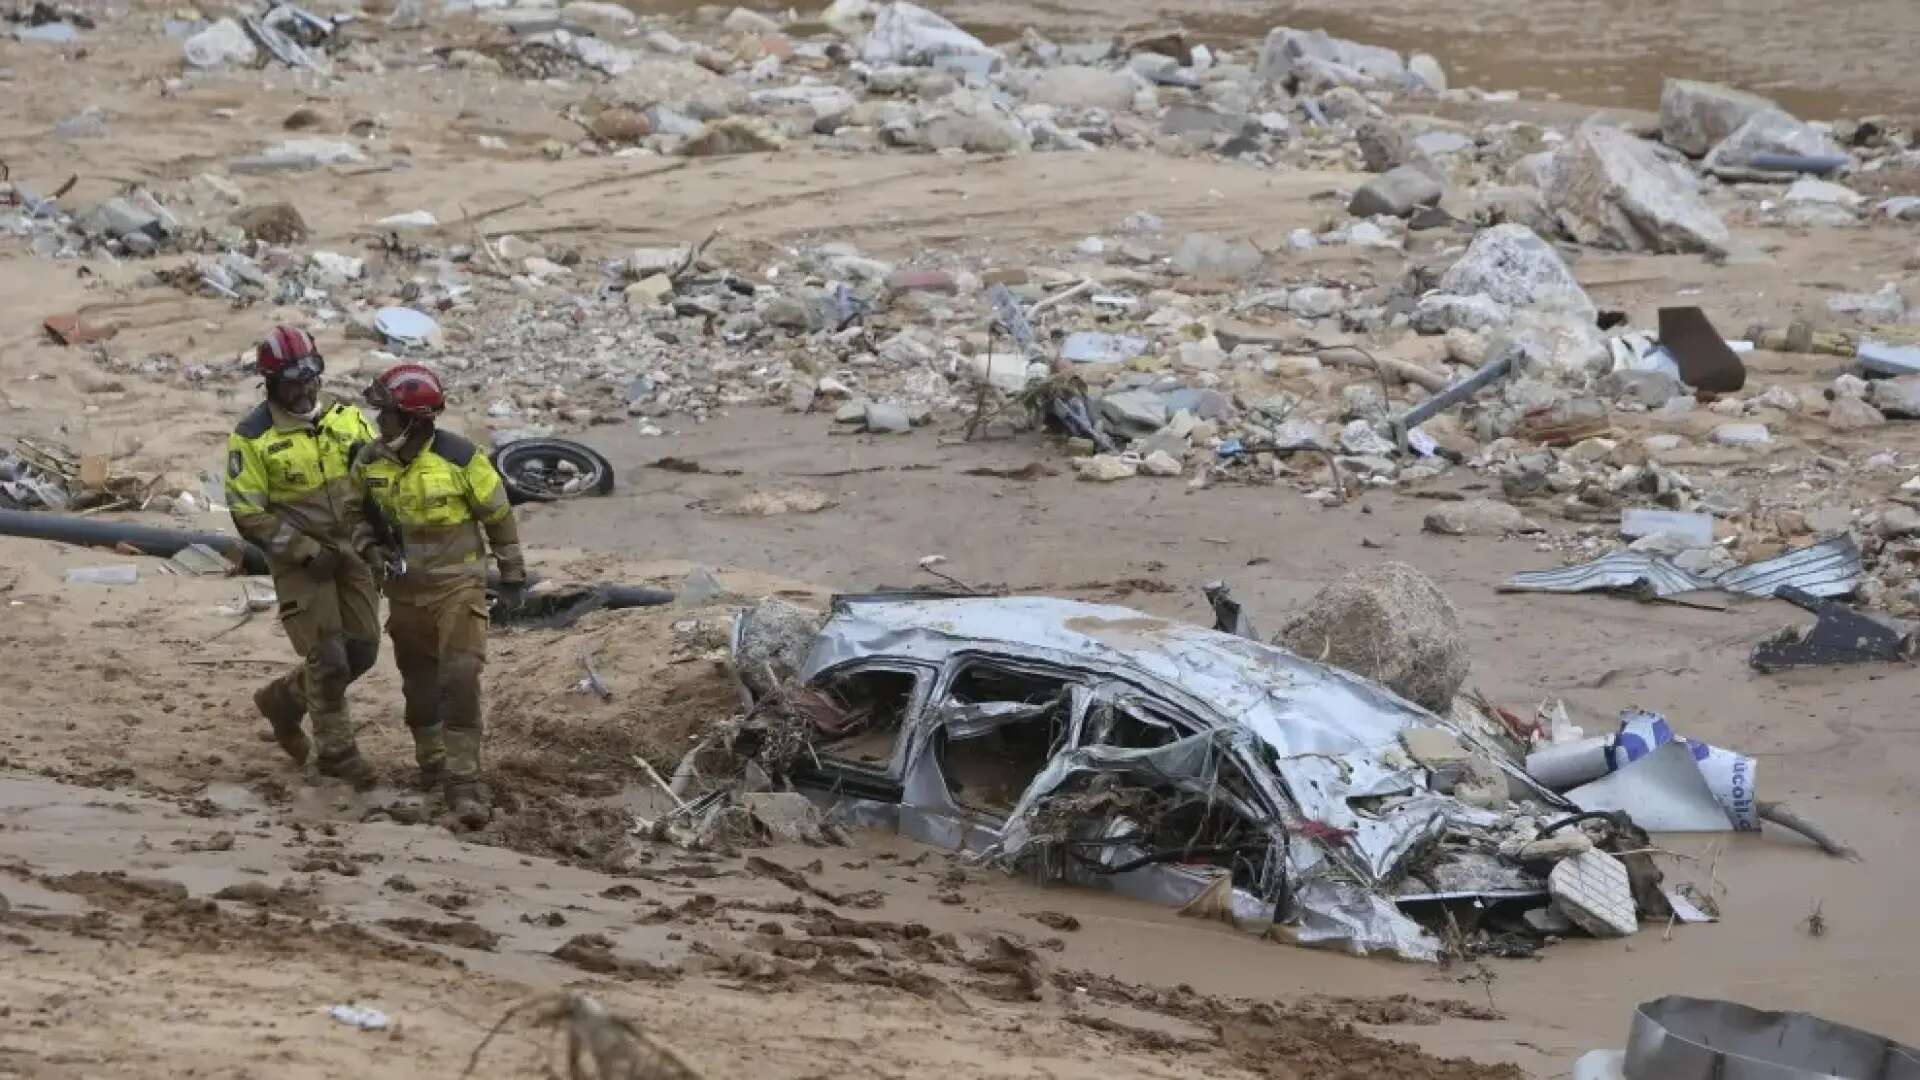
(284, 714)
(430, 751)
(468, 805)
(351, 767)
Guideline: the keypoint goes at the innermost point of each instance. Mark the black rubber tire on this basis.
(509, 459)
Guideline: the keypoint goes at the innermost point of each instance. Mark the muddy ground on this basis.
(176, 900)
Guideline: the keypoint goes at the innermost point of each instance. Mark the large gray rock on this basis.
(1437, 313)
(1513, 266)
(886, 418)
(1849, 413)
(972, 121)
(219, 45)
(1649, 389)
(1427, 72)
(680, 85)
(1535, 170)
(1201, 125)
(1391, 624)
(1316, 302)
(774, 639)
(1899, 398)
(1696, 116)
(1612, 190)
(1884, 305)
(1501, 204)
(1210, 255)
(1384, 145)
(1769, 131)
(1553, 344)
(1074, 87)
(1314, 57)
(733, 135)
(1479, 517)
(1396, 193)
(906, 33)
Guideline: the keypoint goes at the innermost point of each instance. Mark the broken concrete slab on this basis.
(1769, 131)
(1210, 255)
(1696, 116)
(676, 84)
(1592, 890)
(1742, 435)
(1201, 124)
(1479, 517)
(1141, 411)
(1613, 190)
(886, 419)
(906, 33)
(1307, 55)
(1072, 86)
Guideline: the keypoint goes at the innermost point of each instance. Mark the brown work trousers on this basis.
(440, 647)
(334, 625)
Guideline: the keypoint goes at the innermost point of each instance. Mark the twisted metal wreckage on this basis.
(1167, 761)
(1198, 766)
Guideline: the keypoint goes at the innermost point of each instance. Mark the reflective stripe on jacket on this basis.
(449, 506)
(289, 483)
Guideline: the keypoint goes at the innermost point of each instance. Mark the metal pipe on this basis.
(148, 540)
(1818, 165)
(1451, 396)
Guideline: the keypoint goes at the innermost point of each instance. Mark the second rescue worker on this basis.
(445, 508)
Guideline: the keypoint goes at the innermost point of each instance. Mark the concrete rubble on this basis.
(1216, 354)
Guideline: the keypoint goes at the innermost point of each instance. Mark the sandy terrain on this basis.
(127, 744)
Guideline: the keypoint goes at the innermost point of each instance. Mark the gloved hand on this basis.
(385, 565)
(323, 563)
(510, 596)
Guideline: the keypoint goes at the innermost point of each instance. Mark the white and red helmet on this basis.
(288, 352)
(410, 389)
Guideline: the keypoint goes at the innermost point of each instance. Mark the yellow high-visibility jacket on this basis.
(450, 507)
(289, 483)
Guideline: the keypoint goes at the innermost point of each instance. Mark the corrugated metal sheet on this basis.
(1829, 568)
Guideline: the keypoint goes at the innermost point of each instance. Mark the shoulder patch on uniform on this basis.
(236, 464)
(256, 423)
(453, 448)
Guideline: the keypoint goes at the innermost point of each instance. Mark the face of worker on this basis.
(296, 394)
(396, 426)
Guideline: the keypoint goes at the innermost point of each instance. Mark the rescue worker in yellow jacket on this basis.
(290, 491)
(433, 507)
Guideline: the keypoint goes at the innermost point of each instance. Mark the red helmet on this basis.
(412, 389)
(288, 351)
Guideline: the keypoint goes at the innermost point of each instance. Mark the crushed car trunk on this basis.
(1105, 747)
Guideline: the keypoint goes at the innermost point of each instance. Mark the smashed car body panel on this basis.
(1105, 746)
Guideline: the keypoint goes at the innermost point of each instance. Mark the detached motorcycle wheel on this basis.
(548, 470)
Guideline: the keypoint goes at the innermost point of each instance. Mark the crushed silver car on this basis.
(1163, 760)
